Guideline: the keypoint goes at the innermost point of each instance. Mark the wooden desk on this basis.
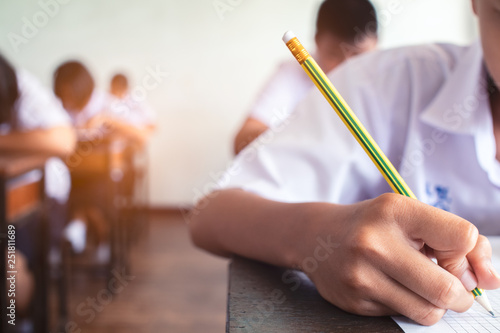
(108, 160)
(22, 198)
(264, 298)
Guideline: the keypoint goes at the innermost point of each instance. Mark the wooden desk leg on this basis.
(63, 284)
(3, 251)
(42, 271)
(114, 230)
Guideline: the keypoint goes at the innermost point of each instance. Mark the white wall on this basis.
(215, 60)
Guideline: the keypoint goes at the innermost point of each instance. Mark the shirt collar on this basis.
(459, 106)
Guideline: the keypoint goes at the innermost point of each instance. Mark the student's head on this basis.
(488, 12)
(9, 92)
(74, 85)
(119, 85)
(344, 28)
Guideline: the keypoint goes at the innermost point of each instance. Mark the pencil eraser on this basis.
(288, 36)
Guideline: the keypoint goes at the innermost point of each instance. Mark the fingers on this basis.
(455, 243)
(442, 231)
(406, 302)
(450, 237)
(424, 278)
(373, 293)
(480, 261)
(390, 242)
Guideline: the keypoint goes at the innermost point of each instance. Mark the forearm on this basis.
(139, 135)
(237, 222)
(58, 141)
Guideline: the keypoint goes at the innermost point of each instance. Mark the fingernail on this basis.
(469, 280)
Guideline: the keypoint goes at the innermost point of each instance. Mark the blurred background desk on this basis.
(108, 168)
(264, 298)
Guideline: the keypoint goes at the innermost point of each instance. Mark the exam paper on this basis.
(476, 319)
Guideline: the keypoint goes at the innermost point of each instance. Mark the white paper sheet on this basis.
(476, 319)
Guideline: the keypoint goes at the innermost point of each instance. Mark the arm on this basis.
(136, 134)
(365, 258)
(56, 141)
(250, 130)
(116, 126)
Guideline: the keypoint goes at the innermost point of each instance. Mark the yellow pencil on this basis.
(357, 129)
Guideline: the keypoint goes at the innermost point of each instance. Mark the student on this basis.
(33, 121)
(90, 109)
(435, 113)
(135, 111)
(129, 107)
(97, 120)
(75, 87)
(343, 29)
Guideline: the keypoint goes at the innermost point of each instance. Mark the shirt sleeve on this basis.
(38, 107)
(280, 95)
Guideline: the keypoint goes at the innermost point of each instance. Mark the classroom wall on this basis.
(202, 62)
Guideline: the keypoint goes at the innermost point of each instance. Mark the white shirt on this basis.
(132, 111)
(280, 95)
(38, 108)
(98, 103)
(428, 109)
(103, 103)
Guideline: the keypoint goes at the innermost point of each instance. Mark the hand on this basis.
(379, 268)
(98, 121)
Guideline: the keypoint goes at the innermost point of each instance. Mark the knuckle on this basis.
(386, 204)
(361, 307)
(447, 295)
(484, 244)
(483, 241)
(470, 236)
(366, 244)
(356, 280)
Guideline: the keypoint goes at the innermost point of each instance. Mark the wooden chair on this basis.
(22, 200)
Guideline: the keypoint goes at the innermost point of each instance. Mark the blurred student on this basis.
(311, 199)
(33, 121)
(75, 87)
(97, 119)
(91, 109)
(343, 29)
(136, 111)
(129, 107)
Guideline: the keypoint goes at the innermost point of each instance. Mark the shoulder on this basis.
(37, 106)
(28, 84)
(387, 88)
(432, 61)
(99, 101)
(394, 79)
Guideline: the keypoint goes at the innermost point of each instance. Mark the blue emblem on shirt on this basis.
(439, 196)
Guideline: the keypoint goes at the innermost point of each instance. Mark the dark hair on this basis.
(9, 93)
(347, 19)
(120, 81)
(75, 76)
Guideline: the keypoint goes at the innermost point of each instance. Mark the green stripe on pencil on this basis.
(359, 132)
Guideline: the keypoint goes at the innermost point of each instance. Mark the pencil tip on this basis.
(492, 314)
